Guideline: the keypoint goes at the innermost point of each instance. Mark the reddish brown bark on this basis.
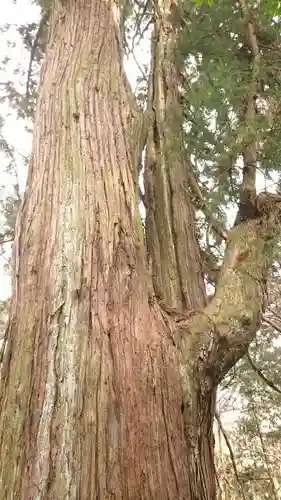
(90, 392)
(172, 241)
(104, 394)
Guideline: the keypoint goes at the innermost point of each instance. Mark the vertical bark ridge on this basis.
(172, 243)
(170, 219)
(90, 392)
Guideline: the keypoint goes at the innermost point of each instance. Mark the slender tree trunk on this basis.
(172, 241)
(90, 391)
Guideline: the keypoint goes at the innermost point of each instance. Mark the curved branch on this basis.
(140, 33)
(200, 202)
(262, 376)
(215, 338)
(269, 322)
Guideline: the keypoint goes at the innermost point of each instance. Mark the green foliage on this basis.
(199, 3)
(218, 74)
(271, 7)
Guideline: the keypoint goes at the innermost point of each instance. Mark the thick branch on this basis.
(214, 339)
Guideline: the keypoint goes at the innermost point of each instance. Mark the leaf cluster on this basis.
(217, 74)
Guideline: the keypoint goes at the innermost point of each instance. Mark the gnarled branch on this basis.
(214, 339)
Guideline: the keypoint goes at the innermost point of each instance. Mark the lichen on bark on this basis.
(221, 333)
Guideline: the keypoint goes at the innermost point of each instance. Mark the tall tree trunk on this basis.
(90, 391)
(105, 394)
(172, 241)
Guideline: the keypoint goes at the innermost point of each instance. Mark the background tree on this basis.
(113, 352)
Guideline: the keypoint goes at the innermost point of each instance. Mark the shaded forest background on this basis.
(231, 97)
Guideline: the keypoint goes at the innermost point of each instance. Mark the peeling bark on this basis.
(103, 393)
(212, 338)
(90, 402)
(173, 248)
(170, 219)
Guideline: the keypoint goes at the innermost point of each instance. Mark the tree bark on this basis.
(173, 245)
(104, 394)
(90, 390)
(211, 338)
